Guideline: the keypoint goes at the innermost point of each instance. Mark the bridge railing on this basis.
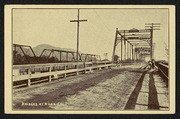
(26, 75)
(163, 71)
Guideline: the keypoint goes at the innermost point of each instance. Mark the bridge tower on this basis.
(130, 41)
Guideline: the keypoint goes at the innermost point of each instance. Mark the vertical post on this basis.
(132, 53)
(65, 71)
(152, 25)
(124, 49)
(29, 79)
(115, 41)
(77, 72)
(85, 67)
(77, 37)
(77, 53)
(127, 50)
(50, 75)
(151, 42)
(121, 47)
(124, 46)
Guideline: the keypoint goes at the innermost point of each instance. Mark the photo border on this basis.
(8, 66)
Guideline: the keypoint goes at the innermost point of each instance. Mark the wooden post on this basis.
(77, 67)
(91, 70)
(65, 71)
(124, 49)
(121, 48)
(127, 50)
(85, 67)
(77, 53)
(50, 75)
(29, 79)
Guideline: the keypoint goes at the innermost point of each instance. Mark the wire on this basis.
(101, 20)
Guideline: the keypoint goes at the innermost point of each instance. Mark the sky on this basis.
(52, 26)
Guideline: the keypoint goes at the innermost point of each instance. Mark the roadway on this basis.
(127, 87)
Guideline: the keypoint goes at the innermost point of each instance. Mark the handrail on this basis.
(163, 71)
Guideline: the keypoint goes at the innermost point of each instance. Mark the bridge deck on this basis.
(124, 87)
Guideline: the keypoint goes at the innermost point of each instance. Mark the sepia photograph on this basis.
(117, 59)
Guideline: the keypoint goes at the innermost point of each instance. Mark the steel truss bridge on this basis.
(23, 54)
(134, 44)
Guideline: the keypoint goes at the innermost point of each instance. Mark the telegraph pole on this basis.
(152, 27)
(77, 53)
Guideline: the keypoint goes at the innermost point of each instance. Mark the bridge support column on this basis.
(29, 80)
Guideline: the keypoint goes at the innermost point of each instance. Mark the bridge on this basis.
(57, 80)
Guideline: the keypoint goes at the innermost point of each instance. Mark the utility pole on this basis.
(152, 27)
(77, 54)
(124, 46)
(121, 48)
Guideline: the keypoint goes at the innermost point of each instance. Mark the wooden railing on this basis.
(26, 75)
(163, 71)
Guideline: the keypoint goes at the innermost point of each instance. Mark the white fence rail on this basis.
(26, 73)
